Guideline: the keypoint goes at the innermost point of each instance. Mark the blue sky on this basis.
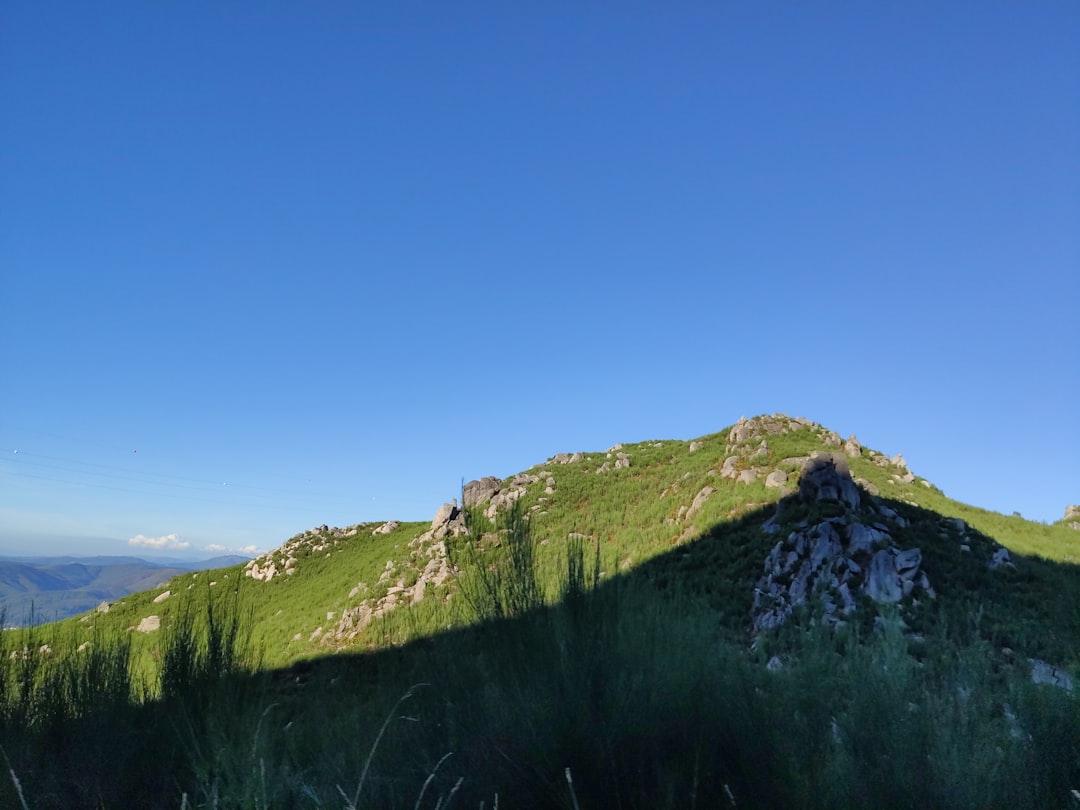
(270, 265)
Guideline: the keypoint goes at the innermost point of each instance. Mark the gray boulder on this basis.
(852, 447)
(883, 582)
(827, 478)
(699, 501)
(481, 491)
(776, 479)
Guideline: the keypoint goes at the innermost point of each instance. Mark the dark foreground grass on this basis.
(624, 694)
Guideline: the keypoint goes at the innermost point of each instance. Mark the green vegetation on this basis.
(592, 650)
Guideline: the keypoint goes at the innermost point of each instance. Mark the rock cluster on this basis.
(836, 559)
(284, 559)
(1070, 513)
(499, 494)
(405, 584)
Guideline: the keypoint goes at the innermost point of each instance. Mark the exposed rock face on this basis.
(481, 491)
(827, 478)
(835, 559)
(852, 447)
(427, 561)
(387, 528)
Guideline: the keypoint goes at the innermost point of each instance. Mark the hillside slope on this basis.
(330, 589)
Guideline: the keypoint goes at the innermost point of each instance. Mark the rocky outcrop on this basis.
(832, 561)
(401, 583)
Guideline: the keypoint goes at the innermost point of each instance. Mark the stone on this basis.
(387, 528)
(695, 446)
(728, 470)
(908, 562)
(852, 448)
(1001, 559)
(1071, 512)
(882, 581)
(476, 493)
(445, 514)
(699, 501)
(776, 479)
(775, 664)
(1042, 672)
(827, 478)
(747, 477)
(149, 624)
(862, 539)
(161, 597)
(102, 608)
(898, 461)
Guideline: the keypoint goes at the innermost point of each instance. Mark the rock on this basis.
(728, 470)
(862, 539)
(1001, 559)
(445, 514)
(747, 477)
(102, 608)
(695, 446)
(480, 491)
(776, 479)
(826, 478)
(1071, 512)
(699, 501)
(387, 528)
(622, 462)
(908, 562)
(882, 582)
(775, 664)
(149, 624)
(162, 597)
(898, 461)
(852, 448)
(1042, 672)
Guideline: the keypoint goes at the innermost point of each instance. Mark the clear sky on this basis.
(270, 265)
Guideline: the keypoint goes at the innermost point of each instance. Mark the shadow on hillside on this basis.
(639, 692)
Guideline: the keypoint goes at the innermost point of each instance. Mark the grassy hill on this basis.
(625, 628)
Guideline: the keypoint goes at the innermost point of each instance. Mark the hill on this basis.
(766, 616)
(43, 589)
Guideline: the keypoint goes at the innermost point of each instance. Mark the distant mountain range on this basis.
(34, 590)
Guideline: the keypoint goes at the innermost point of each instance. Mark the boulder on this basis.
(747, 477)
(695, 446)
(882, 581)
(446, 513)
(1071, 512)
(699, 501)
(149, 624)
(1042, 672)
(386, 528)
(161, 597)
(729, 469)
(852, 448)
(827, 478)
(480, 491)
(776, 479)
(862, 539)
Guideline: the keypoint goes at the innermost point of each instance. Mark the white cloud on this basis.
(171, 542)
(215, 548)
